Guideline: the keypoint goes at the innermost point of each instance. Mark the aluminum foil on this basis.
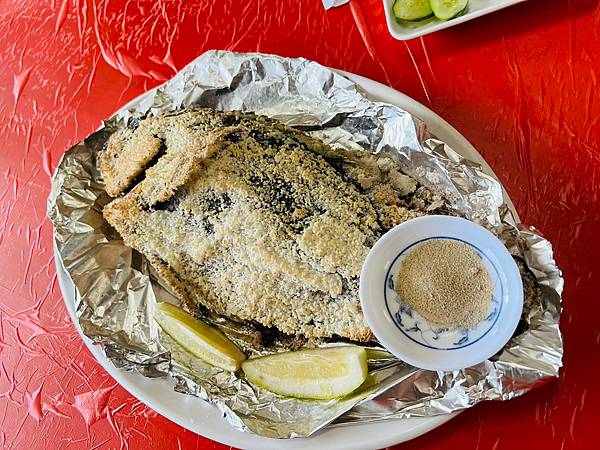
(116, 288)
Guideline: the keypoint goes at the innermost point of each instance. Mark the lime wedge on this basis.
(322, 373)
(198, 338)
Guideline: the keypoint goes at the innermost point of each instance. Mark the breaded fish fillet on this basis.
(134, 148)
(247, 219)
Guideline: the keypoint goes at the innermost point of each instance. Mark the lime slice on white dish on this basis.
(447, 9)
(198, 338)
(322, 373)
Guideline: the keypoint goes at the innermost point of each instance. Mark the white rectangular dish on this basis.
(407, 30)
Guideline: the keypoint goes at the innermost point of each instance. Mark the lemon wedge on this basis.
(322, 373)
(198, 338)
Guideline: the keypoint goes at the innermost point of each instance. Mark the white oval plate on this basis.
(411, 337)
(198, 416)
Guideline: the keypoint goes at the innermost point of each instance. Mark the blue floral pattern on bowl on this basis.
(421, 331)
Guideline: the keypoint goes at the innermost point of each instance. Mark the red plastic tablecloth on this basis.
(520, 84)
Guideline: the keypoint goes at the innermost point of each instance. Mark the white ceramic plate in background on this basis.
(199, 417)
(406, 31)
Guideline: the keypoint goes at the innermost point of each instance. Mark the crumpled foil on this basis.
(116, 288)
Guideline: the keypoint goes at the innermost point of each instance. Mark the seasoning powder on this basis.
(446, 282)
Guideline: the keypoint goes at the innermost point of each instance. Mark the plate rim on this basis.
(348, 436)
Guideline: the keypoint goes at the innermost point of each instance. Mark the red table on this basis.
(521, 85)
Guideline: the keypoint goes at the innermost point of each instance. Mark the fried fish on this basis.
(254, 220)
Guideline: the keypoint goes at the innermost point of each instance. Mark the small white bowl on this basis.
(412, 338)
